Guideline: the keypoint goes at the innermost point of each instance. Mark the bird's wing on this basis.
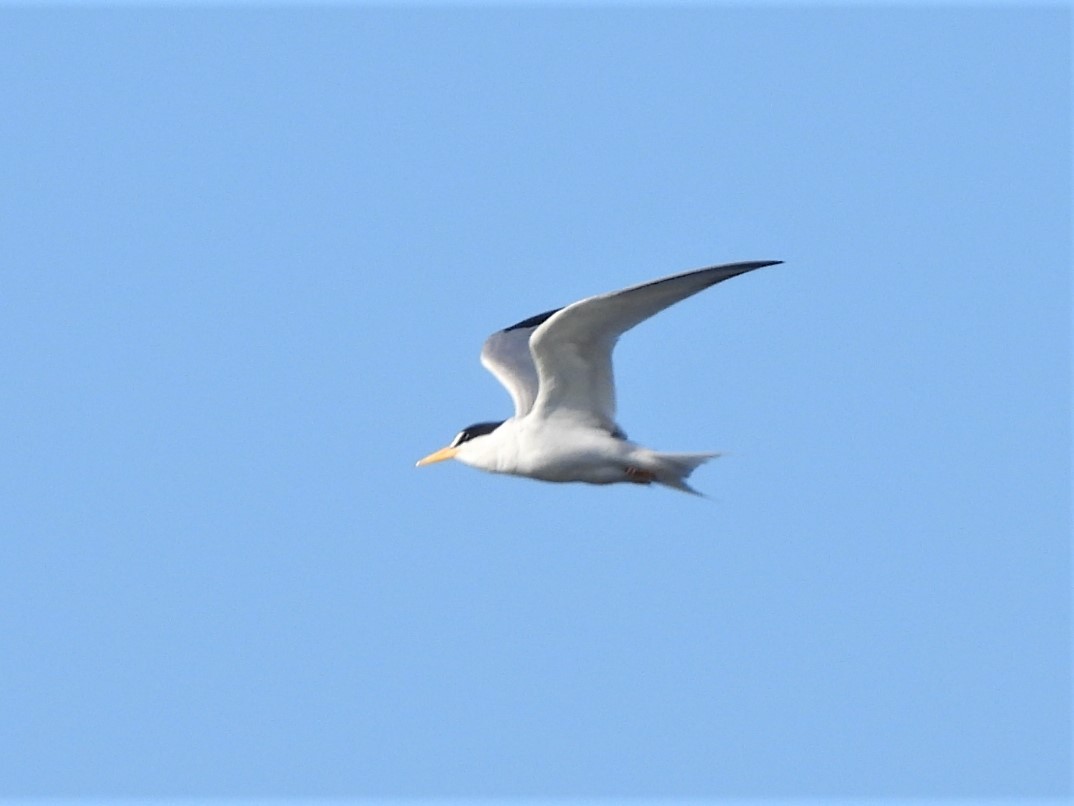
(507, 355)
(572, 347)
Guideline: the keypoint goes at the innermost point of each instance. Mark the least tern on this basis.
(557, 366)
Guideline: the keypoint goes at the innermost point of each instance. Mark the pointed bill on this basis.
(438, 456)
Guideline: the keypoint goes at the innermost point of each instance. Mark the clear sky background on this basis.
(248, 260)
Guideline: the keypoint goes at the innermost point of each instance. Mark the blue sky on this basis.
(249, 259)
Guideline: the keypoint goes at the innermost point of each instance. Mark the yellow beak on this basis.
(439, 456)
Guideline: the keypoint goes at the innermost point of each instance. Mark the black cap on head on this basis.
(475, 430)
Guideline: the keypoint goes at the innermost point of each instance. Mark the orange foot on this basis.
(639, 476)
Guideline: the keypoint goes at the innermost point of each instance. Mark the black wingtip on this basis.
(743, 266)
(736, 269)
(753, 265)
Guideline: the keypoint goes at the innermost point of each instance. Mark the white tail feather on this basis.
(672, 469)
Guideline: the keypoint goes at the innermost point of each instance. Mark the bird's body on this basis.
(557, 367)
(551, 450)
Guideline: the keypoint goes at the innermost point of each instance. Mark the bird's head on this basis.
(469, 444)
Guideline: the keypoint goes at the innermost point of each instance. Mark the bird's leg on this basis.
(639, 476)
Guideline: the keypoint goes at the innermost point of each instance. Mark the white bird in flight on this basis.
(557, 367)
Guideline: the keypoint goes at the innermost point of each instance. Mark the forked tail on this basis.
(672, 469)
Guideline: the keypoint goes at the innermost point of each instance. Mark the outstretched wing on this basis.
(572, 347)
(507, 355)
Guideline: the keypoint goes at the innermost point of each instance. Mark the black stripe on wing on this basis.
(533, 321)
(732, 270)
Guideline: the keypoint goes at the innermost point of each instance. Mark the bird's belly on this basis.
(598, 459)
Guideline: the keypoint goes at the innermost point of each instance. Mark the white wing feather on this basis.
(506, 354)
(572, 348)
